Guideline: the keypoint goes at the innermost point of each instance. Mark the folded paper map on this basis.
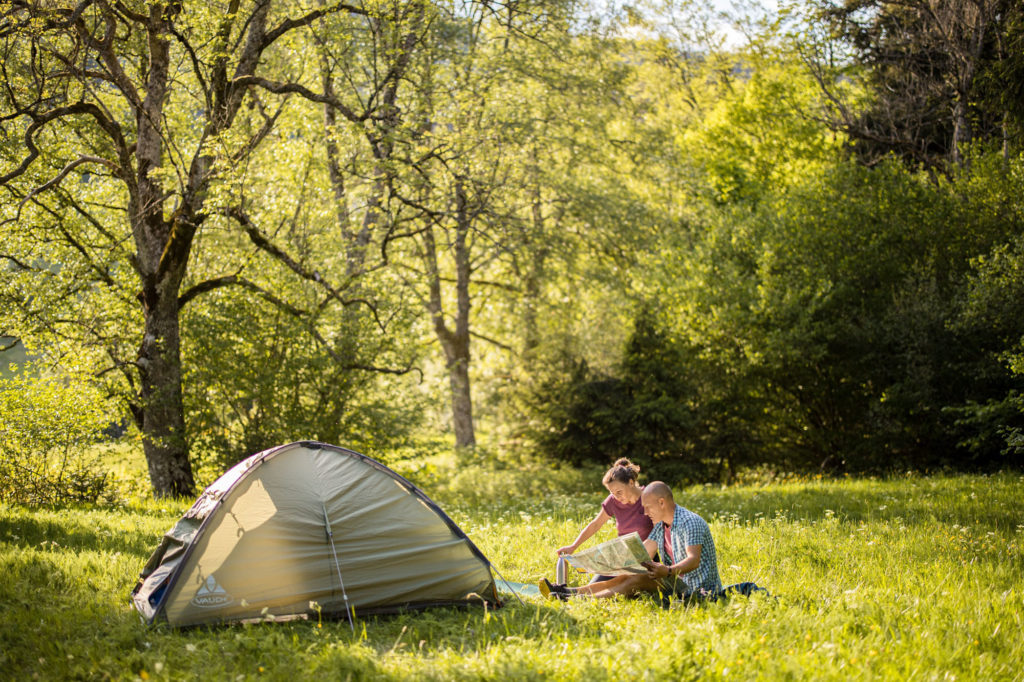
(620, 556)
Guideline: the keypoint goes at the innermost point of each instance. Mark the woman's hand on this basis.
(585, 534)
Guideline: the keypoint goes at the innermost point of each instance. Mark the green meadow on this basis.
(914, 578)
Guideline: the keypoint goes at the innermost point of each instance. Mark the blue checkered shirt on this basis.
(690, 529)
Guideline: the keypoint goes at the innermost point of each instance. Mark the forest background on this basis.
(762, 240)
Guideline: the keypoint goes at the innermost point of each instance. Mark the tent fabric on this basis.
(299, 528)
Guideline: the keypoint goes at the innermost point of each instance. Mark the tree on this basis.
(163, 104)
(931, 70)
(465, 160)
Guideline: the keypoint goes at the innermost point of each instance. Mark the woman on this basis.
(622, 504)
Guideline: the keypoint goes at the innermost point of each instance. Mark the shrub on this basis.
(47, 429)
(645, 411)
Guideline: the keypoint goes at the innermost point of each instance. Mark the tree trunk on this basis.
(539, 249)
(161, 414)
(462, 401)
(458, 361)
(162, 248)
(454, 343)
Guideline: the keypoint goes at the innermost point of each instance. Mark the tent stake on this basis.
(337, 566)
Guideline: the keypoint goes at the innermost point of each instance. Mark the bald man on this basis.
(681, 539)
(684, 543)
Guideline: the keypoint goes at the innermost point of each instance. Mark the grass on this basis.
(915, 578)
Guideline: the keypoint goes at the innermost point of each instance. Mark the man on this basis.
(682, 540)
(689, 563)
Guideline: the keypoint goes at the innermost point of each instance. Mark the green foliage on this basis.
(898, 579)
(645, 411)
(830, 313)
(47, 430)
(512, 185)
(993, 315)
(257, 380)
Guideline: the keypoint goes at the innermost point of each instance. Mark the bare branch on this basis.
(196, 68)
(112, 129)
(283, 88)
(306, 317)
(64, 173)
(290, 24)
(14, 259)
(210, 285)
(261, 241)
(491, 341)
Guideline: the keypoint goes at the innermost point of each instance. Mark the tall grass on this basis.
(918, 578)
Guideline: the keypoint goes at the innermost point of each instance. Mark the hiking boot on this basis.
(551, 591)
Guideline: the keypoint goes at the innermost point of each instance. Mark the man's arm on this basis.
(651, 546)
(691, 562)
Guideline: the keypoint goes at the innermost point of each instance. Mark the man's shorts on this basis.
(673, 586)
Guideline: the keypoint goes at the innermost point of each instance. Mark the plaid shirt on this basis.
(690, 529)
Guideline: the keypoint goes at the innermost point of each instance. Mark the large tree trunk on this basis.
(162, 248)
(161, 414)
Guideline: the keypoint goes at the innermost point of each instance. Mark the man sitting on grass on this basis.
(683, 539)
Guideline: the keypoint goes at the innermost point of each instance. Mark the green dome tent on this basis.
(305, 526)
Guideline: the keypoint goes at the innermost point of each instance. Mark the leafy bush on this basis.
(646, 411)
(46, 430)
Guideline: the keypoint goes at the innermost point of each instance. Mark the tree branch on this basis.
(284, 88)
(63, 174)
(294, 311)
(499, 344)
(289, 24)
(39, 120)
(215, 283)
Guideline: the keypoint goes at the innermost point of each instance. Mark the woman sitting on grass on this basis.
(622, 504)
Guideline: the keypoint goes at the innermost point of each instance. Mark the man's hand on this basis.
(656, 570)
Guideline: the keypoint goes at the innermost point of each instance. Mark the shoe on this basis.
(551, 591)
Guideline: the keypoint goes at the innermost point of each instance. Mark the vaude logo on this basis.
(211, 594)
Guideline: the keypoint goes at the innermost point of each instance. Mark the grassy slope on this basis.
(909, 579)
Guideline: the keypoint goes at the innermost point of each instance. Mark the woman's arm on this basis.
(586, 533)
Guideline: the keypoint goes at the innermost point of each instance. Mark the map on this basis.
(620, 556)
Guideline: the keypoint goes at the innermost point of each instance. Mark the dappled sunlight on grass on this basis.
(908, 578)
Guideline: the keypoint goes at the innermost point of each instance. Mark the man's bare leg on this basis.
(592, 588)
(627, 585)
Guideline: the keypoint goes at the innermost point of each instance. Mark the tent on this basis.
(309, 527)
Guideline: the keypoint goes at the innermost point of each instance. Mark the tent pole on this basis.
(337, 567)
(507, 584)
